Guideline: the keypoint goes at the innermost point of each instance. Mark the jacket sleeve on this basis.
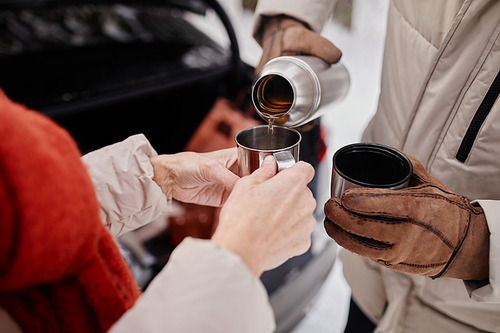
(314, 12)
(123, 178)
(490, 292)
(203, 288)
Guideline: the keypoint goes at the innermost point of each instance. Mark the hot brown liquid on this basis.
(270, 133)
(270, 123)
(276, 96)
(275, 100)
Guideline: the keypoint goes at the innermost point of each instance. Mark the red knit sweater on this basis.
(60, 270)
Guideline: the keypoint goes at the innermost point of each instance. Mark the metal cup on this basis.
(255, 143)
(369, 165)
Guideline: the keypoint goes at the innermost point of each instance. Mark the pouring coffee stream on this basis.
(289, 92)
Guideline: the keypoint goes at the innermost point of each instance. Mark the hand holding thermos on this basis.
(285, 36)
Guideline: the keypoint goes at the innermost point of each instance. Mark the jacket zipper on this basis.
(478, 120)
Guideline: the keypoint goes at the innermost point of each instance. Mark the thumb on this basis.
(266, 171)
(421, 176)
(220, 174)
(228, 179)
(225, 177)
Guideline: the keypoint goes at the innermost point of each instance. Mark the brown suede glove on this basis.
(424, 229)
(284, 36)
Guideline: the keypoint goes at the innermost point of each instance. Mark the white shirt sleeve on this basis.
(203, 288)
(123, 179)
(491, 292)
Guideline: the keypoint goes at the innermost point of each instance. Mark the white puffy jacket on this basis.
(441, 59)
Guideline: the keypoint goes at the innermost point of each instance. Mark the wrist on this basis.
(163, 174)
(241, 249)
(271, 24)
(471, 260)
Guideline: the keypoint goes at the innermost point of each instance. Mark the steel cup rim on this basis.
(243, 131)
(378, 148)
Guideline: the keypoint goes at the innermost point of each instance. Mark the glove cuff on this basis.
(471, 260)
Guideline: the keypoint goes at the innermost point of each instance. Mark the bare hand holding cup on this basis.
(204, 179)
(267, 219)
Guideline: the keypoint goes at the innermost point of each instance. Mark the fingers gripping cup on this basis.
(369, 165)
(257, 142)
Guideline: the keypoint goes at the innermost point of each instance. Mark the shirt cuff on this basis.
(482, 291)
(123, 178)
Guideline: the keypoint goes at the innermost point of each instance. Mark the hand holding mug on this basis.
(423, 229)
(200, 178)
(268, 219)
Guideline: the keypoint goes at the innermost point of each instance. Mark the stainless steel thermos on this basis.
(293, 90)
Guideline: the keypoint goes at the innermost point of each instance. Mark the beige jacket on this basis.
(203, 288)
(440, 59)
